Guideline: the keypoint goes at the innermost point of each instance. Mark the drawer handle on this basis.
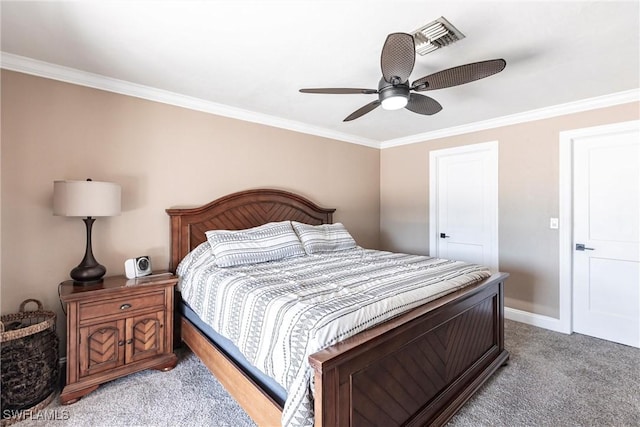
(125, 306)
(121, 343)
(129, 341)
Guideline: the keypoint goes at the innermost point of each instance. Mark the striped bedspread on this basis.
(278, 313)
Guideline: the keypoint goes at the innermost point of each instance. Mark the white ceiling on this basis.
(251, 57)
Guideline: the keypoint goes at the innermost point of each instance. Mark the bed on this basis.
(417, 368)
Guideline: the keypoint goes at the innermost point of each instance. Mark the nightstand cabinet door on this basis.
(145, 336)
(102, 347)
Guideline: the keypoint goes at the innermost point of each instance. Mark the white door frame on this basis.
(567, 140)
(434, 156)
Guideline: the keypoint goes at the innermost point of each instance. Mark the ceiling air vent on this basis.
(436, 34)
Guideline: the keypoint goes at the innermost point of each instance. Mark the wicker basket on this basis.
(29, 361)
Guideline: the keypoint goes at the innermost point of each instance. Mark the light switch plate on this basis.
(553, 223)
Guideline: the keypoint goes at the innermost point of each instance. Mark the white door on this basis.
(606, 243)
(464, 204)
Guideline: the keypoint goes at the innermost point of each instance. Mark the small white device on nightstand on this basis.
(137, 267)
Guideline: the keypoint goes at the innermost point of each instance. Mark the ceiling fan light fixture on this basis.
(395, 102)
(394, 97)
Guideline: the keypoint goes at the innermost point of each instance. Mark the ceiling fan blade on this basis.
(339, 90)
(423, 104)
(459, 75)
(363, 110)
(398, 57)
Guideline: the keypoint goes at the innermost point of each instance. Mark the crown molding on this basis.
(34, 67)
(70, 75)
(610, 100)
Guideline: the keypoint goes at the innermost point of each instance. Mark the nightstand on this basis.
(115, 328)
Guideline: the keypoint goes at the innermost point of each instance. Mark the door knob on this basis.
(444, 236)
(582, 247)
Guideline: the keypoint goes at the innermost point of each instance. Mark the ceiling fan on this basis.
(394, 92)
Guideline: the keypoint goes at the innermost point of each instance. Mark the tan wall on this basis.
(52, 130)
(528, 197)
(163, 156)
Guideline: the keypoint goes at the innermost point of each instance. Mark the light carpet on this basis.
(552, 380)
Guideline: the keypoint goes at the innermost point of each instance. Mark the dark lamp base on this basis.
(88, 274)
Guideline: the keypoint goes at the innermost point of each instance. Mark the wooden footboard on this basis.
(417, 369)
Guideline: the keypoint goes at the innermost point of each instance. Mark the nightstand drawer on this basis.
(123, 305)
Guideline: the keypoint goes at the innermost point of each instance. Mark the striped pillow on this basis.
(324, 238)
(268, 242)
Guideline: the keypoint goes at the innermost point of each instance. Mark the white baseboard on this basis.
(534, 319)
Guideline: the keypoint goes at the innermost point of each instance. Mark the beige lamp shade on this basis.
(86, 198)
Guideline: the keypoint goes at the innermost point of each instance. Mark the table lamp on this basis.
(87, 199)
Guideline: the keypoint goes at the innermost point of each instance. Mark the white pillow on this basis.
(324, 238)
(268, 242)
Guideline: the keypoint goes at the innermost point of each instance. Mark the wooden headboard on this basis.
(237, 211)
